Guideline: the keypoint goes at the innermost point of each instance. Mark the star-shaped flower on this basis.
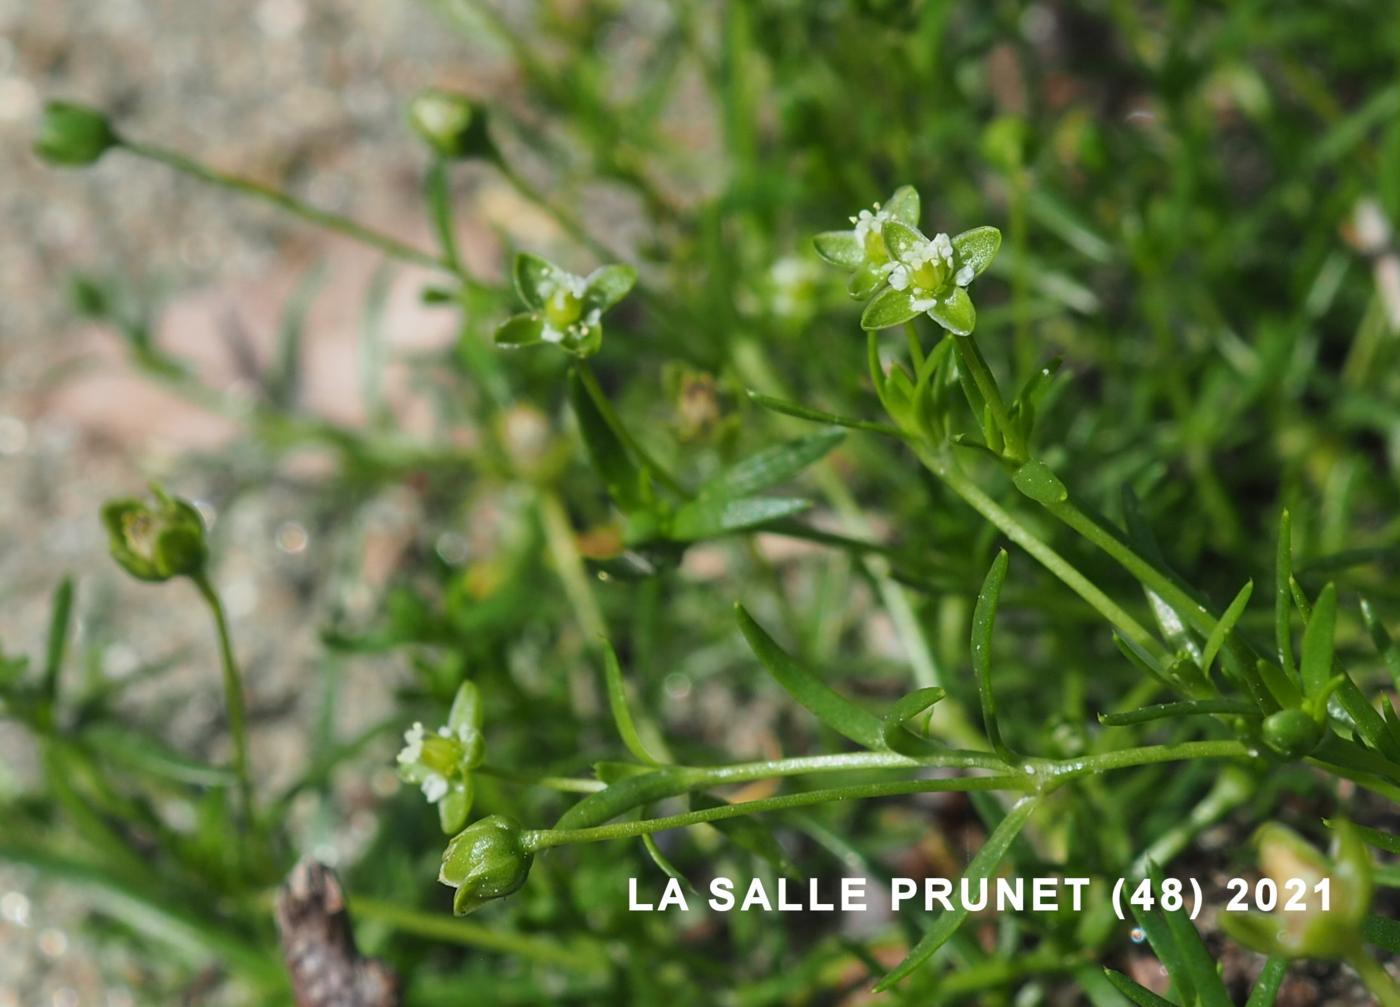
(930, 276)
(863, 249)
(564, 309)
(441, 762)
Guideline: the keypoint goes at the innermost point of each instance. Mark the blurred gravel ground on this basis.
(303, 93)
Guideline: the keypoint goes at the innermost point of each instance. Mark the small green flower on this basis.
(1313, 931)
(156, 539)
(930, 276)
(449, 124)
(564, 309)
(73, 135)
(863, 248)
(441, 763)
(488, 860)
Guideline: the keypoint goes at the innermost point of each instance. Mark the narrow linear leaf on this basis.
(706, 518)
(1225, 626)
(1389, 652)
(1183, 708)
(1319, 641)
(664, 862)
(140, 752)
(984, 616)
(1380, 840)
(1164, 946)
(982, 866)
(625, 481)
(60, 620)
(771, 466)
(829, 706)
(1196, 958)
(802, 412)
(621, 713)
(1140, 995)
(1266, 988)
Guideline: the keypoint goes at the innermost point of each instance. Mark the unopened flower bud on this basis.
(73, 135)
(487, 860)
(1326, 926)
(449, 124)
(158, 539)
(1292, 733)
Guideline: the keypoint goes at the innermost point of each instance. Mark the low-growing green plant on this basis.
(1008, 599)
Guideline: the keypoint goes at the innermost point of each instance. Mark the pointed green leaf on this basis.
(1266, 987)
(901, 239)
(984, 616)
(1283, 576)
(894, 729)
(607, 285)
(626, 483)
(144, 753)
(1036, 481)
(1385, 646)
(903, 206)
(976, 248)
(954, 311)
(771, 466)
(466, 708)
(705, 517)
(1225, 626)
(982, 866)
(830, 707)
(1139, 995)
(520, 330)
(533, 278)
(662, 861)
(1181, 708)
(60, 622)
(1195, 956)
(1318, 642)
(890, 307)
(840, 248)
(621, 713)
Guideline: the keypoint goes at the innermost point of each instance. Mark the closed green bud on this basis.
(449, 124)
(1292, 733)
(1326, 926)
(158, 539)
(487, 860)
(73, 135)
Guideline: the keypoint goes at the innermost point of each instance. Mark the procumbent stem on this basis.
(1035, 776)
(392, 247)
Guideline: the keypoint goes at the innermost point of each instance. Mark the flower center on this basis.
(563, 308)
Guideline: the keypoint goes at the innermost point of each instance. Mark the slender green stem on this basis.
(1059, 566)
(392, 247)
(1376, 978)
(233, 696)
(916, 350)
(567, 222)
(435, 926)
(564, 784)
(971, 357)
(560, 539)
(1064, 770)
(544, 838)
(614, 422)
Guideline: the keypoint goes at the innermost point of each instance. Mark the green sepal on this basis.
(955, 312)
(890, 307)
(840, 248)
(976, 248)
